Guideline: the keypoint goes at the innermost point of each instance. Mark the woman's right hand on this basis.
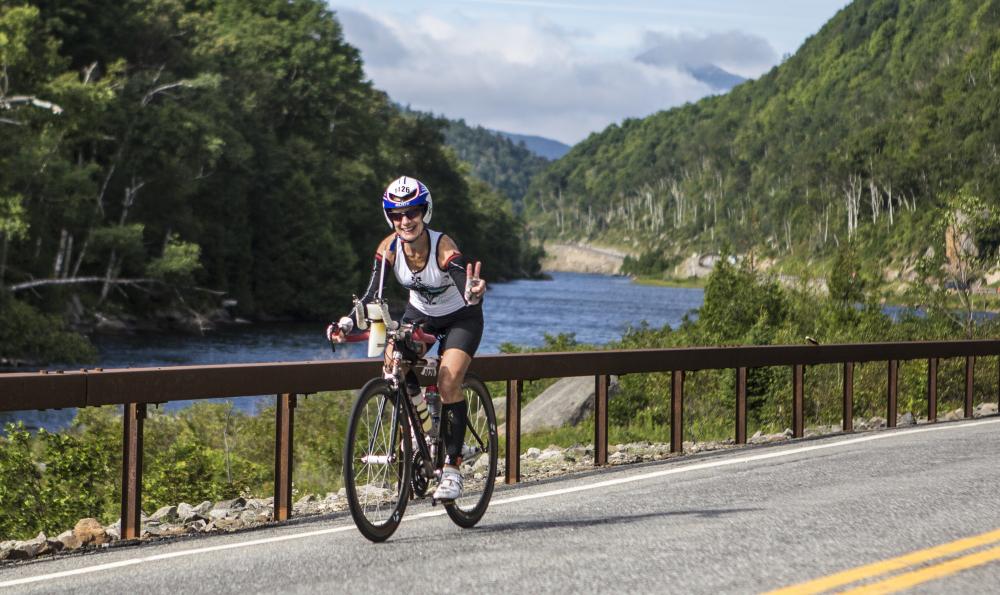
(337, 333)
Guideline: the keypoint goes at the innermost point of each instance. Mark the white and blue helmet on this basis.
(407, 192)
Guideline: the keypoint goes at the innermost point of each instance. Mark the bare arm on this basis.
(464, 274)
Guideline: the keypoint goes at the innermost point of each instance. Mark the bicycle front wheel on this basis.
(377, 461)
(479, 460)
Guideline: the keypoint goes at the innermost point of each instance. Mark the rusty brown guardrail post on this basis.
(970, 381)
(932, 374)
(283, 451)
(892, 393)
(741, 405)
(131, 509)
(512, 470)
(677, 411)
(798, 425)
(848, 417)
(602, 382)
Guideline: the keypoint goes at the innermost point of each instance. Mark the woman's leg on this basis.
(451, 374)
(457, 347)
(454, 409)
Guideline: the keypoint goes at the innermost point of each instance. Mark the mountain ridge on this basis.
(862, 135)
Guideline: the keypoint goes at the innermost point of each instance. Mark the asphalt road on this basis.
(743, 521)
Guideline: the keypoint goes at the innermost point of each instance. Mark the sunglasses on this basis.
(411, 214)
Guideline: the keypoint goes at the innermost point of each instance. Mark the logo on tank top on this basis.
(427, 293)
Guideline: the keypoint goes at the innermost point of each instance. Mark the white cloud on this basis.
(531, 78)
(742, 53)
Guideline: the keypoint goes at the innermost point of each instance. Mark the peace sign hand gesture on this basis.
(474, 286)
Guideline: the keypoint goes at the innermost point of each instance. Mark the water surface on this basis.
(596, 308)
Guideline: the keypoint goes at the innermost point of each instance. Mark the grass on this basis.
(690, 282)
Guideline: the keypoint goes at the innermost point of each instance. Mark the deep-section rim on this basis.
(466, 512)
(384, 526)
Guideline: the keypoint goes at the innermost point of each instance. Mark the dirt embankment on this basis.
(582, 258)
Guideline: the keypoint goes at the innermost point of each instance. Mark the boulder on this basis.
(230, 524)
(254, 517)
(955, 415)
(986, 409)
(567, 402)
(38, 546)
(187, 513)
(259, 503)
(906, 419)
(69, 540)
(90, 532)
(234, 504)
(372, 492)
(166, 530)
(500, 408)
(14, 552)
(225, 508)
(165, 514)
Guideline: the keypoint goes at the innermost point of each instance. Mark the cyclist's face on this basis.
(408, 222)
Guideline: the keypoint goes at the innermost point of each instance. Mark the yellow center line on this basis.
(868, 571)
(910, 579)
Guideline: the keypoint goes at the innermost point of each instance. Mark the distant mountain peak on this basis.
(710, 74)
(539, 145)
(715, 77)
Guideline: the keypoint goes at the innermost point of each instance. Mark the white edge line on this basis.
(435, 513)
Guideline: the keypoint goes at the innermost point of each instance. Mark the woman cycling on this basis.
(445, 296)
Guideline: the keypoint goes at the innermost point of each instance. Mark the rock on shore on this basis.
(582, 258)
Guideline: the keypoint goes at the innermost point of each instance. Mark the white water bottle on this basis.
(376, 332)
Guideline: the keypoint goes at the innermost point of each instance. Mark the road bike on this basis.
(395, 451)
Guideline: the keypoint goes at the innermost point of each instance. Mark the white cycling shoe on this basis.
(450, 487)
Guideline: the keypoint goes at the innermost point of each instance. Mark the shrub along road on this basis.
(741, 521)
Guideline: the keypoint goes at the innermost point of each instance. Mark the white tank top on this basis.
(432, 291)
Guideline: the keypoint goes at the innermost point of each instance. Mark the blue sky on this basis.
(566, 68)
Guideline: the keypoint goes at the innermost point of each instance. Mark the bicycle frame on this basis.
(402, 402)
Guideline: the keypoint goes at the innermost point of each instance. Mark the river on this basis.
(597, 308)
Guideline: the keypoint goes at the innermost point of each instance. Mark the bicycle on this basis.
(393, 455)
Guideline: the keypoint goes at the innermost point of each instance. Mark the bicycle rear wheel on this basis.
(377, 461)
(479, 464)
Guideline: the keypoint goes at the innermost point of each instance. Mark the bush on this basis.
(26, 333)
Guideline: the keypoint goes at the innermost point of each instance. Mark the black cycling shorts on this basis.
(462, 329)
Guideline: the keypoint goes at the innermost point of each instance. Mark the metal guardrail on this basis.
(136, 388)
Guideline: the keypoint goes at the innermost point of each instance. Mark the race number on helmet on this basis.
(407, 192)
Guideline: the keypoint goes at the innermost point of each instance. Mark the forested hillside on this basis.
(162, 155)
(494, 158)
(880, 120)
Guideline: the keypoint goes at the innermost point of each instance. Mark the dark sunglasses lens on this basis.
(411, 214)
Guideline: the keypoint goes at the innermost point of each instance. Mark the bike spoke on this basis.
(376, 475)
